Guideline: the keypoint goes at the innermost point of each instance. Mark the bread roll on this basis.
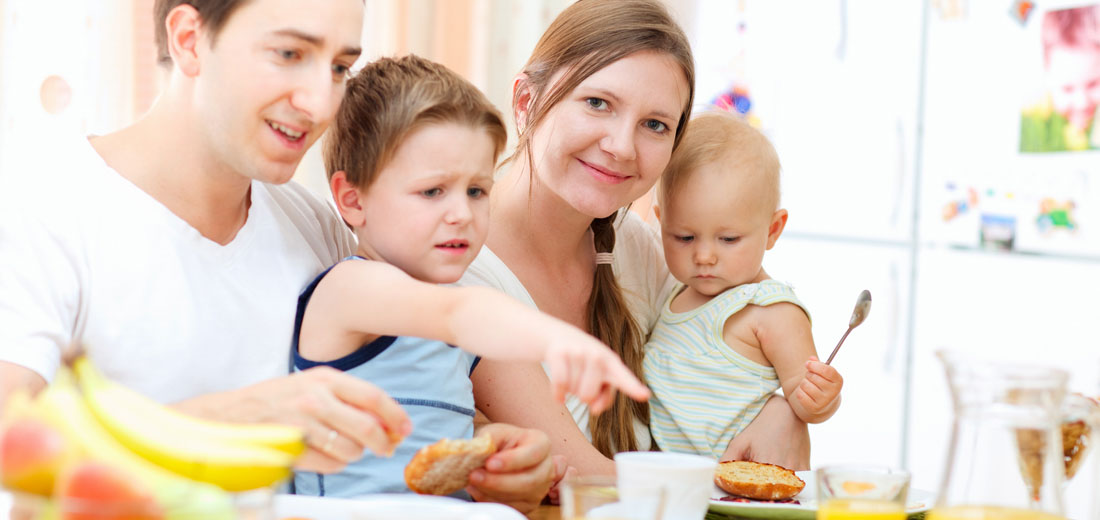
(757, 480)
(444, 467)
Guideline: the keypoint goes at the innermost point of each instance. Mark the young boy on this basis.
(410, 158)
(730, 335)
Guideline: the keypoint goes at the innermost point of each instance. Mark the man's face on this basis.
(272, 82)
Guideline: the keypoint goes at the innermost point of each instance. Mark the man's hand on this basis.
(520, 473)
(340, 414)
(775, 436)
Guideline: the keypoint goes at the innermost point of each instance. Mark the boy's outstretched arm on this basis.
(360, 299)
(812, 388)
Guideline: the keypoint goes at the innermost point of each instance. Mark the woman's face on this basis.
(606, 142)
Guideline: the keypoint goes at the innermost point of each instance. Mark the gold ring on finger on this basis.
(332, 435)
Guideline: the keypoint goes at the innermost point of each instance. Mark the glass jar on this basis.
(1005, 456)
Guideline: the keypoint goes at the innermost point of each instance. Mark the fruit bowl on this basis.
(251, 505)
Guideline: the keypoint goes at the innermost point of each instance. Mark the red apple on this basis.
(96, 490)
(31, 455)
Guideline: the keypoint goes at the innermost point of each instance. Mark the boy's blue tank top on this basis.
(429, 379)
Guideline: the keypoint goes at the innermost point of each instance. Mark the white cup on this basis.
(687, 480)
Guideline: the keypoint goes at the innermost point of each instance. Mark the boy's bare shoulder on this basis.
(359, 267)
(354, 277)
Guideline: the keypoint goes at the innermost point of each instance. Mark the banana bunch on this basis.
(87, 470)
(235, 457)
(88, 439)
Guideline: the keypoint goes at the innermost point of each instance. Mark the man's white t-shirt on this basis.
(640, 269)
(89, 258)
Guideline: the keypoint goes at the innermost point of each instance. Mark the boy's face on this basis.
(271, 84)
(715, 230)
(1073, 76)
(427, 212)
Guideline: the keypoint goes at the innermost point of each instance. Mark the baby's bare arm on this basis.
(812, 387)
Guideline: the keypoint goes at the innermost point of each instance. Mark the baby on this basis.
(729, 336)
(410, 158)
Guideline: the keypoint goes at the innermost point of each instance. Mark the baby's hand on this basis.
(819, 388)
(583, 366)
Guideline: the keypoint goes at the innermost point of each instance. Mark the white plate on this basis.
(386, 507)
(919, 502)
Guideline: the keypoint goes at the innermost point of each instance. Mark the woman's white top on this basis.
(643, 276)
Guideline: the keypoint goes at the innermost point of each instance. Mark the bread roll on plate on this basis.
(757, 480)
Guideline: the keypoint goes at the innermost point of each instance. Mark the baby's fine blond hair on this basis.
(741, 150)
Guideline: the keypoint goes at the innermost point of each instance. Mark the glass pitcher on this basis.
(1005, 457)
(1096, 463)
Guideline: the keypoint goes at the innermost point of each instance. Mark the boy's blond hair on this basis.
(388, 100)
(720, 137)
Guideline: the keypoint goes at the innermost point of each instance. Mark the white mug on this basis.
(687, 480)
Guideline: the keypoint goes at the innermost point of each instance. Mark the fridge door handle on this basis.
(842, 38)
(889, 358)
(899, 179)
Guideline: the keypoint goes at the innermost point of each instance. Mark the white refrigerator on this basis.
(897, 126)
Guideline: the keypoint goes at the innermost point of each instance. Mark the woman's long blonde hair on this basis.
(586, 37)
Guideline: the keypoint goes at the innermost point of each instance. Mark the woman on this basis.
(599, 108)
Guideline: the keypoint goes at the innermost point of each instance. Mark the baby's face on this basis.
(428, 211)
(1073, 79)
(715, 231)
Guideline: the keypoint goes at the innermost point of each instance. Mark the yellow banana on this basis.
(61, 405)
(233, 465)
(18, 401)
(287, 439)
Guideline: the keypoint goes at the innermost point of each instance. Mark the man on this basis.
(173, 250)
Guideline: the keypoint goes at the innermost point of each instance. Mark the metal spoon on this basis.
(863, 308)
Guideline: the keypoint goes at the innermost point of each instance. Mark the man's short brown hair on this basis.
(390, 99)
(214, 15)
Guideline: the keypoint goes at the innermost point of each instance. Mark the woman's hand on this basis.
(776, 436)
(340, 414)
(562, 471)
(521, 471)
